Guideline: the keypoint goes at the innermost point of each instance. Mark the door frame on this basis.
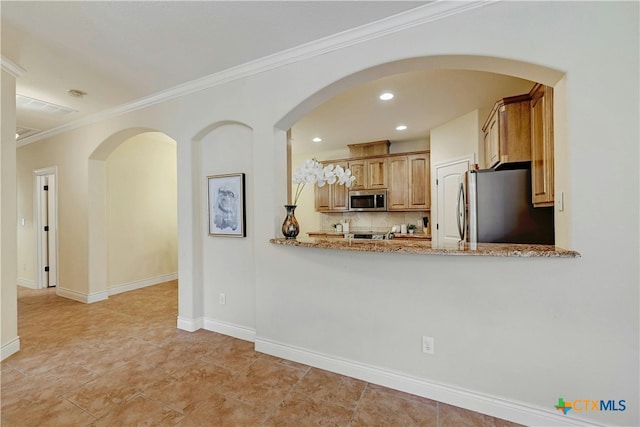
(471, 160)
(39, 177)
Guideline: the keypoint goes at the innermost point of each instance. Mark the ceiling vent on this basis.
(23, 132)
(31, 104)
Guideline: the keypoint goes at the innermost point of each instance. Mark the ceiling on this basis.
(122, 51)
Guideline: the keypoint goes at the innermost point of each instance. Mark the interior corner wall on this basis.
(228, 262)
(141, 212)
(9, 341)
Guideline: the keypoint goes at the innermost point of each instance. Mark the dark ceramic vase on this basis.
(290, 227)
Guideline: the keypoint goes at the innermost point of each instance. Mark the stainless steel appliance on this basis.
(368, 200)
(499, 209)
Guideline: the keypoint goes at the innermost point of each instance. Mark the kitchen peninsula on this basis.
(425, 247)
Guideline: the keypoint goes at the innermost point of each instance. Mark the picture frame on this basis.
(226, 203)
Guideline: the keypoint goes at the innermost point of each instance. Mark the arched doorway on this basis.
(132, 212)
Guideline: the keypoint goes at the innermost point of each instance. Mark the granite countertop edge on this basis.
(424, 248)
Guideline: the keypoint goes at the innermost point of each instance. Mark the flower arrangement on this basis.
(313, 172)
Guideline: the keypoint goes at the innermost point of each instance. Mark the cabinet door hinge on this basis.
(46, 188)
(437, 226)
(46, 269)
(46, 228)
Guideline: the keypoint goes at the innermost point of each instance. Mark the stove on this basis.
(367, 235)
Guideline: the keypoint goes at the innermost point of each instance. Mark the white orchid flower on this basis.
(312, 171)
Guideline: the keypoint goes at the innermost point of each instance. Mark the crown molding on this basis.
(11, 67)
(433, 11)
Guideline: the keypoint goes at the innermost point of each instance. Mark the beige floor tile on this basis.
(299, 411)
(323, 386)
(221, 411)
(53, 412)
(452, 416)
(382, 409)
(140, 411)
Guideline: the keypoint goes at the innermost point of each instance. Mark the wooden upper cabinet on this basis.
(376, 173)
(332, 198)
(359, 171)
(409, 182)
(419, 181)
(406, 177)
(398, 194)
(542, 164)
(507, 132)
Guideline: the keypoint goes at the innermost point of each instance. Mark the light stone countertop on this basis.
(422, 246)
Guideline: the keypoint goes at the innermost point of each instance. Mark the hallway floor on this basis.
(122, 362)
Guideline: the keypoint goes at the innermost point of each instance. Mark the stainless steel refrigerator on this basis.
(495, 207)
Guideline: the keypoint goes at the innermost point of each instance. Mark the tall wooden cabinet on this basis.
(542, 178)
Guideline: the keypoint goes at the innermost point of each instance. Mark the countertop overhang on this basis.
(424, 247)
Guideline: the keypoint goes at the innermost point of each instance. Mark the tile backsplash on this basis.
(377, 221)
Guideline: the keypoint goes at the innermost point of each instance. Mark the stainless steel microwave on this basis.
(368, 200)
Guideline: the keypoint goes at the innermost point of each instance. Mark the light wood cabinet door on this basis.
(409, 182)
(542, 164)
(339, 193)
(493, 141)
(332, 198)
(358, 170)
(377, 174)
(419, 194)
(398, 194)
(507, 132)
(323, 198)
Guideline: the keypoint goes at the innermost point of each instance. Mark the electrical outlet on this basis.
(223, 299)
(428, 345)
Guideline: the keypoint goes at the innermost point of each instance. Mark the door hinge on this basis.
(437, 226)
(436, 181)
(46, 269)
(46, 228)
(46, 188)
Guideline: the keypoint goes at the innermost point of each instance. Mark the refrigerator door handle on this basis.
(460, 213)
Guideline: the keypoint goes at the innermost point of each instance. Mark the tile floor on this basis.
(122, 362)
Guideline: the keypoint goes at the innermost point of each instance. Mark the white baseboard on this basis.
(139, 284)
(479, 402)
(10, 348)
(27, 283)
(190, 325)
(82, 297)
(236, 331)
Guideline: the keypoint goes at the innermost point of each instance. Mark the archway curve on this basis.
(210, 128)
(97, 199)
(506, 66)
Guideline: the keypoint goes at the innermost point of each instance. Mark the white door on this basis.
(449, 176)
(46, 228)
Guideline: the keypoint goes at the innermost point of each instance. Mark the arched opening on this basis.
(132, 212)
(453, 88)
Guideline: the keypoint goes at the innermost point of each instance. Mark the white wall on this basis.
(227, 262)
(512, 335)
(142, 223)
(9, 340)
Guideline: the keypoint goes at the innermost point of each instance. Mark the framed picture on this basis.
(226, 205)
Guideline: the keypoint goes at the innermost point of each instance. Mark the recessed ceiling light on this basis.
(386, 96)
(401, 127)
(317, 139)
